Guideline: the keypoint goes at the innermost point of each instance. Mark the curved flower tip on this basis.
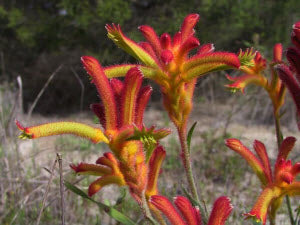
(187, 27)
(207, 48)
(25, 134)
(286, 147)
(220, 212)
(296, 34)
(94, 69)
(90, 169)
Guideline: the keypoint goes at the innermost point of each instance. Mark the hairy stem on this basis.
(185, 155)
(146, 210)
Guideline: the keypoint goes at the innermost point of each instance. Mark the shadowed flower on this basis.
(136, 156)
(275, 185)
(186, 214)
(253, 67)
(290, 76)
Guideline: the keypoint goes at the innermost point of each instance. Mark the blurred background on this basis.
(38, 36)
(42, 80)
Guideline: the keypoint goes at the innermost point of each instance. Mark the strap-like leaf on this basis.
(190, 134)
(120, 217)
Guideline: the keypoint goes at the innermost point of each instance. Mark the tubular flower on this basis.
(136, 156)
(253, 67)
(166, 60)
(275, 185)
(186, 214)
(290, 76)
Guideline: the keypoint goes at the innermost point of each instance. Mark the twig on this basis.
(61, 188)
(42, 91)
(20, 94)
(46, 192)
(82, 88)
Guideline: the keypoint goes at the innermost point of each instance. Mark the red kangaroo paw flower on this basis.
(165, 41)
(207, 48)
(155, 163)
(90, 169)
(142, 101)
(187, 27)
(93, 67)
(261, 151)
(58, 128)
(251, 159)
(166, 207)
(132, 84)
(220, 212)
(151, 36)
(189, 213)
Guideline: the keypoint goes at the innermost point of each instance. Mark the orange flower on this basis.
(275, 185)
(167, 61)
(189, 215)
(253, 67)
(136, 157)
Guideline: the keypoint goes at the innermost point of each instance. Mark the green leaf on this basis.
(190, 134)
(118, 216)
(76, 190)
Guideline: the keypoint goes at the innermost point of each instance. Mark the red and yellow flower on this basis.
(136, 157)
(167, 61)
(275, 185)
(254, 67)
(187, 214)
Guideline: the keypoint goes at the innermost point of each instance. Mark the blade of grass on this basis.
(120, 217)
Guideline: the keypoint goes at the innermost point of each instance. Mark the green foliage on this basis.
(118, 216)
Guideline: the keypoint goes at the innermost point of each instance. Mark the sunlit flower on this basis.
(136, 156)
(275, 185)
(167, 61)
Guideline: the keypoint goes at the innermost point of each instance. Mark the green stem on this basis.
(185, 155)
(279, 141)
(146, 210)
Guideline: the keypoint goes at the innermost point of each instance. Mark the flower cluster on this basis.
(254, 68)
(136, 156)
(134, 161)
(167, 61)
(275, 185)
